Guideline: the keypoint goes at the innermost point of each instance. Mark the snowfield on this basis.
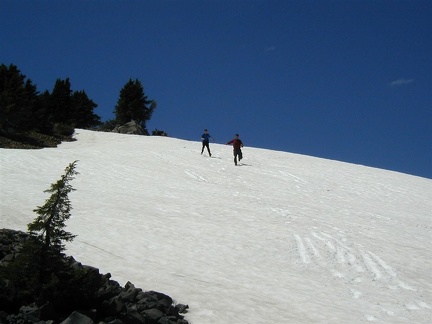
(281, 238)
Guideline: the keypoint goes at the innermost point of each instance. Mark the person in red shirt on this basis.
(237, 145)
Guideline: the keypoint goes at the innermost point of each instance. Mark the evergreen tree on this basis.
(72, 108)
(133, 104)
(22, 108)
(83, 115)
(41, 272)
(42, 119)
(60, 103)
(17, 99)
(32, 106)
(50, 224)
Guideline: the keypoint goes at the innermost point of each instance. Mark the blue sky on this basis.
(343, 80)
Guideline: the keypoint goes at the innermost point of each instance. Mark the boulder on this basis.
(131, 127)
(109, 303)
(77, 318)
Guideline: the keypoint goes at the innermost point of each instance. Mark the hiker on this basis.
(237, 145)
(205, 141)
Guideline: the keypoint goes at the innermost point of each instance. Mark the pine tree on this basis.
(133, 104)
(83, 115)
(42, 119)
(49, 225)
(60, 103)
(23, 109)
(17, 99)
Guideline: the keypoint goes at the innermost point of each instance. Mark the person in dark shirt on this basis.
(205, 141)
(237, 145)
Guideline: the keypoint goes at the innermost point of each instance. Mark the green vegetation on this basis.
(133, 105)
(41, 273)
(49, 225)
(24, 111)
(40, 284)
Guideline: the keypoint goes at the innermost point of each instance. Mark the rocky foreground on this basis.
(112, 304)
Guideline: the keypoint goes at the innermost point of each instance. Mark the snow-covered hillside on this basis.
(282, 238)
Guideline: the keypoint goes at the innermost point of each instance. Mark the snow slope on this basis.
(282, 238)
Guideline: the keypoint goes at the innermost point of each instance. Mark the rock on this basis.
(133, 316)
(47, 311)
(106, 303)
(182, 308)
(113, 306)
(131, 127)
(152, 315)
(30, 313)
(130, 293)
(77, 318)
(113, 321)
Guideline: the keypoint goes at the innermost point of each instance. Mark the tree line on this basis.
(24, 108)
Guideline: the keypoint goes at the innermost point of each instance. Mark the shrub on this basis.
(64, 129)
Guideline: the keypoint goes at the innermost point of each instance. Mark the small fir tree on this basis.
(49, 225)
(40, 273)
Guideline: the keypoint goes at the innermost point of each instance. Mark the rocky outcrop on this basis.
(131, 127)
(111, 304)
